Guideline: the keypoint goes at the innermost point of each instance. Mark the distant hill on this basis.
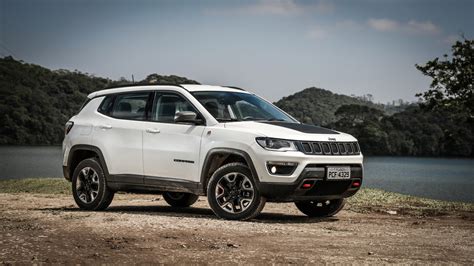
(318, 106)
(36, 102)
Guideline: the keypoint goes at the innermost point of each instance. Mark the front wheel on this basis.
(324, 208)
(180, 199)
(232, 193)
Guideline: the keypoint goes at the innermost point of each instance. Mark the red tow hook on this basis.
(356, 184)
(307, 184)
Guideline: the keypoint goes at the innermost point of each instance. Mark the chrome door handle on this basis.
(106, 126)
(153, 130)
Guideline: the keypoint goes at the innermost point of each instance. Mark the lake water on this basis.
(438, 178)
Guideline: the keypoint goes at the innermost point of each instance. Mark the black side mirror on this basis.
(187, 117)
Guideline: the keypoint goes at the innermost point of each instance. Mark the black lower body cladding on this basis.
(317, 188)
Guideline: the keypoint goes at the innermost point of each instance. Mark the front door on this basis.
(170, 150)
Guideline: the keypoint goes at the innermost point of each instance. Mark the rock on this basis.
(370, 253)
(230, 245)
(392, 212)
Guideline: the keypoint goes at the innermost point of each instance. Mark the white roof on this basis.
(188, 87)
(193, 87)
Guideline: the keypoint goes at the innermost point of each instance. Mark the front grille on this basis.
(329, 148)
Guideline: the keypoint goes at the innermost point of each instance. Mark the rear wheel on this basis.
(180, 199)
(323, 208)
(232, 193)
(89, 187)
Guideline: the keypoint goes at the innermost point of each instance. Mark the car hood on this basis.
(294, 131)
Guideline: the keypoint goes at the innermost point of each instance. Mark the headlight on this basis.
(277, 144)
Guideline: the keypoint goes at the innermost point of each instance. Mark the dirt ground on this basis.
(39, 228)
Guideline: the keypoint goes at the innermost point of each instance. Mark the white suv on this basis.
(184, 141)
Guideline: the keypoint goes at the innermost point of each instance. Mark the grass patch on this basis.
(36, 185)
(379, 200)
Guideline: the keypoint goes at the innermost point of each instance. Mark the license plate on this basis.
(338, 172)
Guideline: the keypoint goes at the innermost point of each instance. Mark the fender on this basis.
(67, 169)
(207, 163)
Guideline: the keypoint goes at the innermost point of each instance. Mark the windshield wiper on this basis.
(269, 120)
(227, 119)
(276, 119)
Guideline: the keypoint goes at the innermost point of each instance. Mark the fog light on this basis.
(281, 168)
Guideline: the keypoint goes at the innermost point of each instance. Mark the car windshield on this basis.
(228, 106)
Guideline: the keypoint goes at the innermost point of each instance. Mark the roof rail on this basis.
(141, 85)
(233, 87)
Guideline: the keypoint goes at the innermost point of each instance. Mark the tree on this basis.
(355, 113)
(453, 77)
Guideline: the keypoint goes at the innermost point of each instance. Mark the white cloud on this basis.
(280, 7)
(425, 27)
(322, 32)
(383, 24)
(412, 26)
(275, 7)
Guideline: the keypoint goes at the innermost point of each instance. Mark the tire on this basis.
(233, 194)
(324, 208)
(89, 186)
(180, 199)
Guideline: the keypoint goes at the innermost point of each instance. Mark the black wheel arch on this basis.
(217, 157)
(79, 152)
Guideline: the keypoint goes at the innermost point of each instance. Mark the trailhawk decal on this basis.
(182, 161)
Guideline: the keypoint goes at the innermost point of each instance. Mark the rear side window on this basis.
(130, 106)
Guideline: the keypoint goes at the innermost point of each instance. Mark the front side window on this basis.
(130, 106)
(166, 105)
(237, 106)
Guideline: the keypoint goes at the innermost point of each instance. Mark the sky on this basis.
(272, 48)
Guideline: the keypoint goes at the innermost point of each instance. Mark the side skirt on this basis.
(152, 184)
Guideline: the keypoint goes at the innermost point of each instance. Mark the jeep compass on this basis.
(186, 141)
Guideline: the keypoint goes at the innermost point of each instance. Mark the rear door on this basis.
(171, 150)
(119, 134)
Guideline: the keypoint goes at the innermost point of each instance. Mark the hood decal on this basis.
(305, 128)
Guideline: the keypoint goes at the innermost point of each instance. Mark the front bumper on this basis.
(320, 188)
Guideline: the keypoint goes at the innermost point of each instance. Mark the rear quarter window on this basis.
(106, 105)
